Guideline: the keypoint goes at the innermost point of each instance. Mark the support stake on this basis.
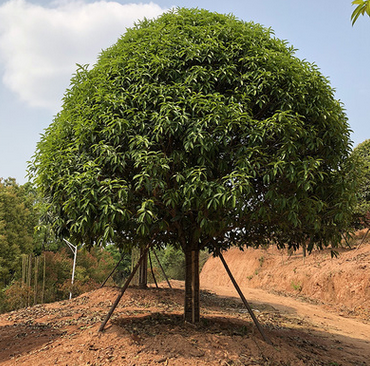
(113, 270)
(124, 288)
(151, 269)
(164, 273)
(363, 239)
(267, 340)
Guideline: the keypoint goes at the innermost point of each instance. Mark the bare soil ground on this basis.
(147, 327)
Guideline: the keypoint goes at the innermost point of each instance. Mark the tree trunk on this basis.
(141, 278)
(24, 269)
(135, 254)
(143, 270)
(43, 280)
(191, 308)
(36, 280)
(29, 279)
(304, 250)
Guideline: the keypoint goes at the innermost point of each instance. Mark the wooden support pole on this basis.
(114, 269)
(363, 239)
(345, 239)
(124, 288)
(164, 273)
(151, 269)
(267, 340)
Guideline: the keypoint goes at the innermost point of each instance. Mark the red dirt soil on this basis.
(314, 310)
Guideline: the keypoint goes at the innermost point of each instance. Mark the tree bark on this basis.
(192, 307)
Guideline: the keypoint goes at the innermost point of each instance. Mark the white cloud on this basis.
(40, 46)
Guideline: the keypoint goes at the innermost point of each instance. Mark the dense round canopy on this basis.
(197, 128)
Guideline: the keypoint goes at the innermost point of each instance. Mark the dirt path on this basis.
(324, 296)
(351, 333)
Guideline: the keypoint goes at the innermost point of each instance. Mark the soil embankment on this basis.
(330, 295)
(342, 282)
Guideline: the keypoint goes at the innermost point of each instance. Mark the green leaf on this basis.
(363, 6)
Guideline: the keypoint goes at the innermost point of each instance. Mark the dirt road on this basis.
(353, 334)
(328, 297)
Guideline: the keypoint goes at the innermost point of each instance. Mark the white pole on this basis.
(74, 251)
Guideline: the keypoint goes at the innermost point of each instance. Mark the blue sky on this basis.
(41, 41)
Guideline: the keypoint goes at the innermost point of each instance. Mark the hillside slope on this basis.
(342, 282)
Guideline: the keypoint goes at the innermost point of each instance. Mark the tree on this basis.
(363, 6)
(17, 221)
(361, 155)
(201, 131)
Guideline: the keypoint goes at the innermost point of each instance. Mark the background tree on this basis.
(363, 6)
(34, 265)
(17, 221)
(361, 154)
(49, 278)
(200, 131)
